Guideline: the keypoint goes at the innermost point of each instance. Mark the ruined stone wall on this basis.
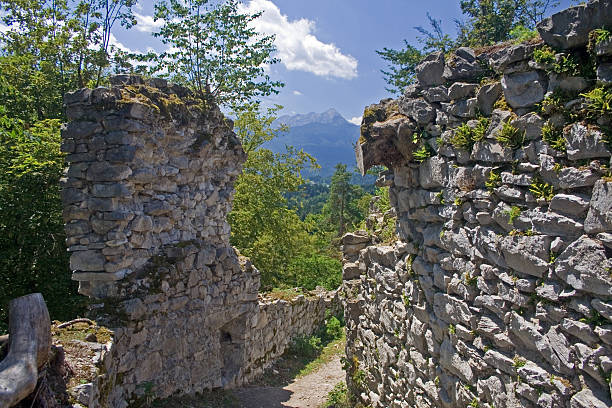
(146, 195)
(279, 322)
(497, 291)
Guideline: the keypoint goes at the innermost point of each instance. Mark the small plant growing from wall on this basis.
(422, 154)
(510, 136)
(541, 189)
(544, 55)
(493, 181)
(465, 136)
(553, 136)
(513, 213)
(596, 37)
(599, 102)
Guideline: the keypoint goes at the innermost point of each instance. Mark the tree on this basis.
(214, 51)
(342, 210)
(33, 256)
(401, 66)
(52, 47)
(263, 226)
(488, 22)
(491, 21)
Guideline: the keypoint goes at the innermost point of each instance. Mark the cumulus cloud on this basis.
(297, 93)
(298, 48)
(146, 24)
(356, 120)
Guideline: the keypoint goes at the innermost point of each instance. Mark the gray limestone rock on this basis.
(433, 172)
(461, 90)
(526, 254)
(531, 124)
(87, 261)
(436, 94)
(463, 65)
(585, 266)
(599, 218)
(419, 110)
(604, 73)
(570, 28)
(430, 69)
(501, 59)
(587, 399)
(523, 89)
(491, 152)
(585, 143)
(570, 204)
(487, 96)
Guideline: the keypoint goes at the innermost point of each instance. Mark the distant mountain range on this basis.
(326, 136)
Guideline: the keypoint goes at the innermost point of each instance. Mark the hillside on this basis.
(327, 136)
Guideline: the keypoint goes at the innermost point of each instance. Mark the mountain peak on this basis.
(329, 117)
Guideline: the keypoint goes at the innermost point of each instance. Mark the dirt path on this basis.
(309, 391)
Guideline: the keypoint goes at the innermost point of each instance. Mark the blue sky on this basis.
(327, 47)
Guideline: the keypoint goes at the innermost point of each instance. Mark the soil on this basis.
(309, 391)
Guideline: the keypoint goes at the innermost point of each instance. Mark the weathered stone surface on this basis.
(87, 261)
(583, 265)
(573, 205)
(491, 152)
(433, 172)
(461, 90)
(527, 254)
(487, 96)
(570, 28)
(585, 143)
(587, 399)
(531, 124)
(419, 110)
(599, 218)
(463, 65)
(501, 59)
(429, 71)
(523, 89)
(604, 73)
(436, 94)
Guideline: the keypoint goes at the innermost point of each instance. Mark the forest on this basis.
(289, 226)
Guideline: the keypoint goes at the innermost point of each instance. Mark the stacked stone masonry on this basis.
(498, 289)
(146, 196)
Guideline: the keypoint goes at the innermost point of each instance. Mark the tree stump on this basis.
(29, 344)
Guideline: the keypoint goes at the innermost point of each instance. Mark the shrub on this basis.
(333, 328)
(32, 238)
(544, 55)
(520, 34)
(338, 397)
(465, 136)
(310, 271)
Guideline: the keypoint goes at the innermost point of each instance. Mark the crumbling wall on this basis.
(498, 289)
(146, 195)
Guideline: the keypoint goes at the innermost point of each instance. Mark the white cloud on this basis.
(356, 120)
(297, 93)
(298, 48)
(147, 24)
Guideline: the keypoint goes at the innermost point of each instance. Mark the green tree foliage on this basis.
(264, 228)
(33, 255)
(401, 66)
(52, 47)
(214, 51)
(492, 21)
(487, 22)
(342, 210)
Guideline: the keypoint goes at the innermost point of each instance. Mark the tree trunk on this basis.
(29, 344)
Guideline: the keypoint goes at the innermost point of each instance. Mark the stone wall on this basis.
(498, 288)
(146, 195)
(278, 322)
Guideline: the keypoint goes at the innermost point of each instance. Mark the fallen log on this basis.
(29, 344)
